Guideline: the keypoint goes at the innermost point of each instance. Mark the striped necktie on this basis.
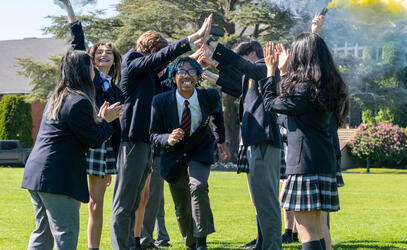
(186, 119)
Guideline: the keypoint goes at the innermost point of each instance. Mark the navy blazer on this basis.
(237, 75)
(112, 95)
(57, 163)
(310, 149)
(199, 146)
(139, 84)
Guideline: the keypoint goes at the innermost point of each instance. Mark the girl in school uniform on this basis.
(101, 162)
(309, 93)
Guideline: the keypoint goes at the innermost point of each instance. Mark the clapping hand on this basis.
(283, 58)
(110, 112)
(270, 58)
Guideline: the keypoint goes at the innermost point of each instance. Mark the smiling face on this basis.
(186, 80)
(103, 58)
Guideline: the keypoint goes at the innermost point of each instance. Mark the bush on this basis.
(15, 120)
(385, 143)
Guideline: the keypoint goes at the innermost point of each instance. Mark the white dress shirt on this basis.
(196, 115)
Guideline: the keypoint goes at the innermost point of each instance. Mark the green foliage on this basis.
(369, 53)
(384, 115)
(15, 119)
(389, 53)
(368, 117)
(43, 76)
(385, 143)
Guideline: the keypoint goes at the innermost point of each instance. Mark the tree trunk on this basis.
(230, 112)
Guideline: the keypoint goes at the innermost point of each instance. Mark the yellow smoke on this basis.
(373, 12)
(395, 7)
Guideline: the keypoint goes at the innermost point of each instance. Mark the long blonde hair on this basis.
(74, 77)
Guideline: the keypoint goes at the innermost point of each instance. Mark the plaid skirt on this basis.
(339, 178)
(242, 162)
(309, 193)
(101, 161)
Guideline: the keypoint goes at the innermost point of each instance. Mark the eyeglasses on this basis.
(183, 72)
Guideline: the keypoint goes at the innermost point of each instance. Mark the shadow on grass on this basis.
(352, 244)
(370, 244)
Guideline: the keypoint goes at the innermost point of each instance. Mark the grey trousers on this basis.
(264, 176)
(160, 229)
(191, 200)
(56, 222)
(133, 166)
(154, 205)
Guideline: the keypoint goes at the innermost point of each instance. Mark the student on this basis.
(55, 173)
(101, 162)
(239, 72)
(179, 125)
(308, 94)
(139, 84)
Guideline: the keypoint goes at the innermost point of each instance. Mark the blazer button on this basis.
(185, 154)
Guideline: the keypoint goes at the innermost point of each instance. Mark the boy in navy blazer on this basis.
(139, 83)
(179, 125)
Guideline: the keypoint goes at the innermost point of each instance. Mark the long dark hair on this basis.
(74, 77)
(311, 63)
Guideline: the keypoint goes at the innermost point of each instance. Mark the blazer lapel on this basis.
(173, 111)
(202, 105)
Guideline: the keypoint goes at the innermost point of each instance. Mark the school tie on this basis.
(186, 119)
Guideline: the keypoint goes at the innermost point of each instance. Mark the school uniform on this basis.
(186, 164)
(139, 83)
(311, 161)
(100, 161)
(55, 172)
(260, 138)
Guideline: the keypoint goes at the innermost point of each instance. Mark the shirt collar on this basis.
(192, 99)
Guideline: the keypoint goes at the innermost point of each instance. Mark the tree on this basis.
(175, 19)
(15, 120)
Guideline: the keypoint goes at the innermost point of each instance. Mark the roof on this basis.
(345, 135)
(40, 49)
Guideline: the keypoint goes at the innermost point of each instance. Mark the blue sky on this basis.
(24, 18)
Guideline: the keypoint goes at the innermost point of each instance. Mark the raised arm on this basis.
(69, 11)
(226, 56)
(296, 104)
(75, 26)
(137, 65)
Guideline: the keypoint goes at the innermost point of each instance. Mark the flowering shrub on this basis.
(383, 143)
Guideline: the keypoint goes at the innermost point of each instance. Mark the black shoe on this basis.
(149, 246)
(286, 238)
(249, 244)
(162, 243)
(295, 238)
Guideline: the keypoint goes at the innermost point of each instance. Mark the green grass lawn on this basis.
(373, 213)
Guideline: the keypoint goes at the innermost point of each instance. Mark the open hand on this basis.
(202, 35)
(270, 58)
(209, 76)
(110, 112)
(283, 58)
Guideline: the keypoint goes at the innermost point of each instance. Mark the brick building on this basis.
(11, 83)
